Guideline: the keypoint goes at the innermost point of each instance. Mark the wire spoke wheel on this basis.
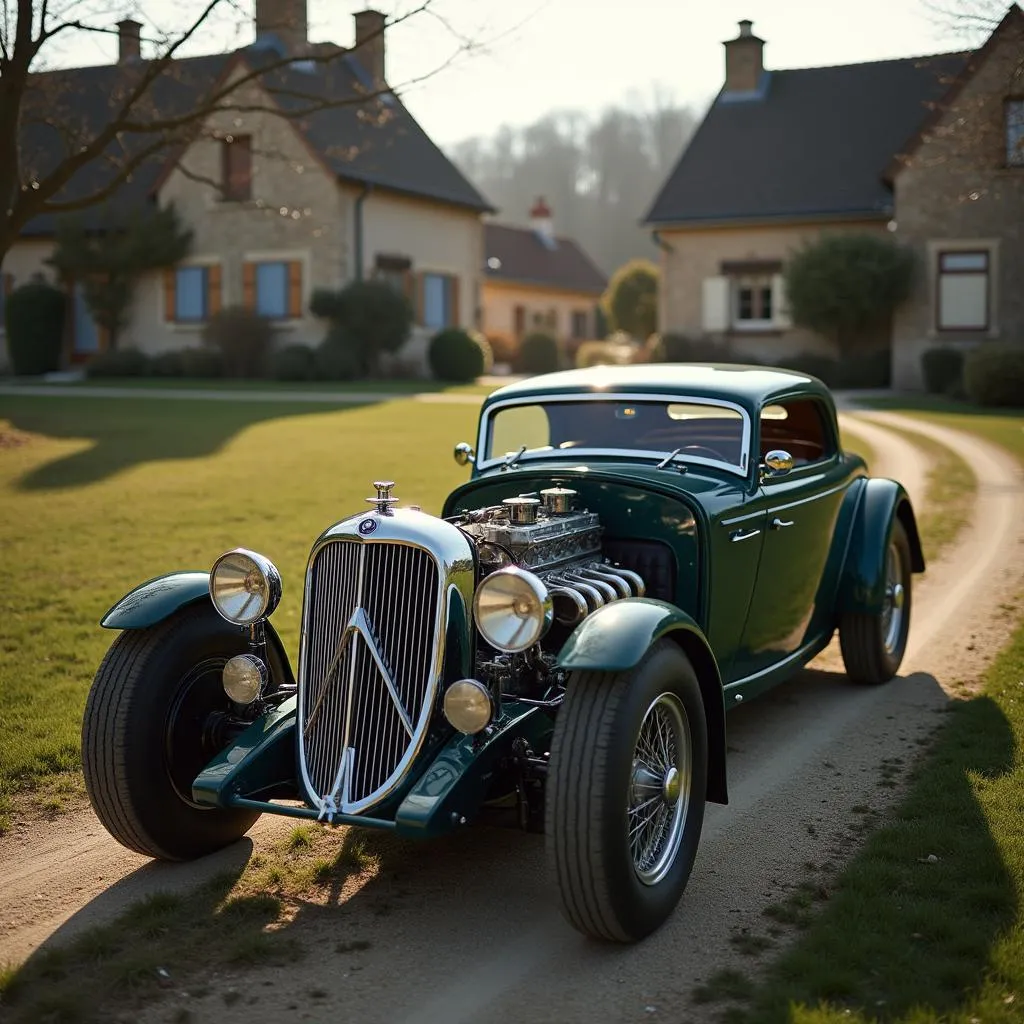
(659, 788)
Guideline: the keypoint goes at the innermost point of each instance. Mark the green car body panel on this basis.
(749, 575)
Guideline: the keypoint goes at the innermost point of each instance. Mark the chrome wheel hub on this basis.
(893, 600)
(659, 792)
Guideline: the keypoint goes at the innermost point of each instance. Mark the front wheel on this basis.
(150, 728)
(873, 643)
(626, 789)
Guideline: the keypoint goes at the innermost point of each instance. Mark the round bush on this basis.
(293, 362)
(455, 356)
(337, 357)
(122, 362)
(994, 374)
(504, 347)
(34, 319)
(942, 369)
(538, 354)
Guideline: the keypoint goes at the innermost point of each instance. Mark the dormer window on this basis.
(1015, 133)
(236, 168)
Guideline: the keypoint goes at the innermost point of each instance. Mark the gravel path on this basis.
(468, 930)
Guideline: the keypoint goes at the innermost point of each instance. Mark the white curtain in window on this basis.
(963, 301)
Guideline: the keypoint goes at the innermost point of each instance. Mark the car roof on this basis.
(747, 386)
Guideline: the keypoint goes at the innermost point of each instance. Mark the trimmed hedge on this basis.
(34, 320)
(943, 370)
(456, 356)
(538, 354)
(122, 362)
(244, 340)
(994, 374)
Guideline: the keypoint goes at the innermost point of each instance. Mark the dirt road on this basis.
(469, 932)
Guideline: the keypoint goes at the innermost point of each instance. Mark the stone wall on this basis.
(956, 192)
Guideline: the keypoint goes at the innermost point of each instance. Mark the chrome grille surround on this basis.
(371, 651)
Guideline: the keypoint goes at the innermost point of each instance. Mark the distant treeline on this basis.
(598, 175)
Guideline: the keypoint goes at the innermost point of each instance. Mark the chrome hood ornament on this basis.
(384, 500)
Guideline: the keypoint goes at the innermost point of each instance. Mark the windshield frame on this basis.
(629, 453)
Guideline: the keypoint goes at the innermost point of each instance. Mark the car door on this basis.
(800, 508)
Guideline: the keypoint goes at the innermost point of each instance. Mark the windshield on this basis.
(705, 432)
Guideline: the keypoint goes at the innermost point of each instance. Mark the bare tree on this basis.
(61, 150)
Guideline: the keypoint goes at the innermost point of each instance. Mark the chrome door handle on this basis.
(740, 535)
(779, 524)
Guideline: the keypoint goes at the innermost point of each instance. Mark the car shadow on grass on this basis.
(129, 432)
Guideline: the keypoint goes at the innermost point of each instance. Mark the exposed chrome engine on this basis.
(542, 532)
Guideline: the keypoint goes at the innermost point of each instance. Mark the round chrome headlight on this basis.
(468, 705)
(244, 678)
(245, 587)
(512, 608)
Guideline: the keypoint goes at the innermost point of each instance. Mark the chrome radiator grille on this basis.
(367, 672)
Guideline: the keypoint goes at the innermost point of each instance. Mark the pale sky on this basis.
(533, 56)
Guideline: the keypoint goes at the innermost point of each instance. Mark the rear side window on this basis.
(798, 426)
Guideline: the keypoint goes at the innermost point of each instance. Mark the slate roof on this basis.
(378, 142)
(816, 142)
(525, 258)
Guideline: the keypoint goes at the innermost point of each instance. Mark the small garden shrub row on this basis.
(994, 374)
(458, 356)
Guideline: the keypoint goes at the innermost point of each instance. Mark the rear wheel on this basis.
(151, 725)
(626, 790)
(873, 644)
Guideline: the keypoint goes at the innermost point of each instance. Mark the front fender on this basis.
(159, 598)
(616, 637)
(862, 584)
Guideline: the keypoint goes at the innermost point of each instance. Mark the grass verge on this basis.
(98, 496)
(926, 923)
(170, 944)
(951, 487)
(383, 387)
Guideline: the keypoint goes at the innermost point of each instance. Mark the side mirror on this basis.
(464, 453)
(776, 463)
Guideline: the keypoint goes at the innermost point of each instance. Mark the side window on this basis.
(798, 426)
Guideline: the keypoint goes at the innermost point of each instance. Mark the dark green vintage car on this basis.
(637, 550)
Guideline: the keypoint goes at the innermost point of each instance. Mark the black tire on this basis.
(592, 782)
(872, 646)
(143, 735)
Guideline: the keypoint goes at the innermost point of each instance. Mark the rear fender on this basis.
(616, 637)
(862, 585)
(158, 599)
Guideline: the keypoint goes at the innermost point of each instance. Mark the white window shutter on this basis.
(715, 304)
(780, 308)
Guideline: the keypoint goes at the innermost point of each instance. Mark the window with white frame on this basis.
(191, 294)
(1014, 110)
(752, 301)
(962, 291)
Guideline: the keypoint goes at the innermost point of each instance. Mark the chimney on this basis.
(285, 19)
(370, 43)
(744, 60)
(129, 45)
(541, 221)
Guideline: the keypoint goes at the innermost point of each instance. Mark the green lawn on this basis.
(97, 496)
(903, 937)
(384, 387)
